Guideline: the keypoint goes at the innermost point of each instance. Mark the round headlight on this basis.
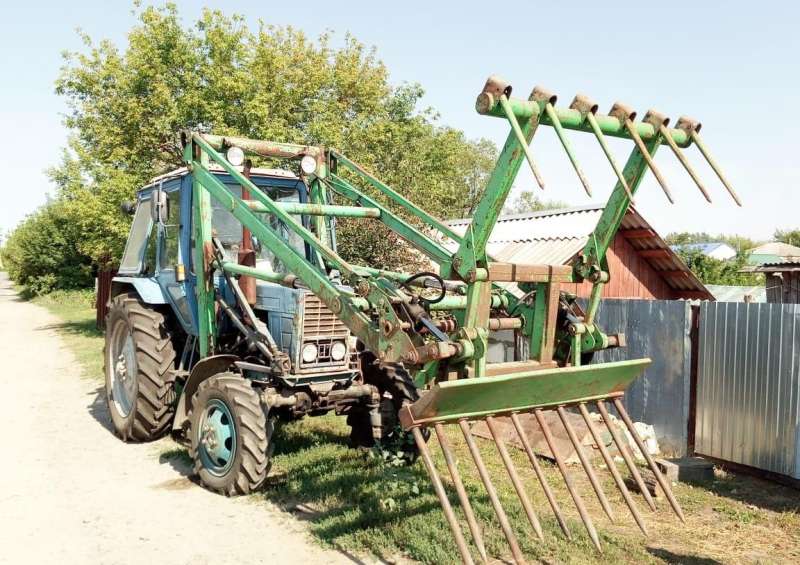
(338, 351)
(309, 353)
(308, 164)
(235, 156)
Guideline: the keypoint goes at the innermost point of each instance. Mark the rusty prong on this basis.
(587, 465)
(452, 466)
(547, 98)
(612, 467)
(660, 122)
(652, 464)
(540, 475)
(692, 128)
(548, 437)
(443, 500)
(626, 116)
(523, 142)
(515, 480)
(588, 109)
(490, 490)
(626, 455)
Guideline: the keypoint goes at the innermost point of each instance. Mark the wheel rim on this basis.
(217, 438)
(123, 368)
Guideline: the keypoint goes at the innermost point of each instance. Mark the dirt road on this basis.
(72, 493)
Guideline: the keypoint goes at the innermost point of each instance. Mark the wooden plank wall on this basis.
(631, 276)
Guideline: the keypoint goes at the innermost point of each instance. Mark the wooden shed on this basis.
(642, 265)
(782, 281)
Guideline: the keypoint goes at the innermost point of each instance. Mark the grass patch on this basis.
(361, 503)
(77, 327)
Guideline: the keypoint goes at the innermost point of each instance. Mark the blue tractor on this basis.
(278, 335)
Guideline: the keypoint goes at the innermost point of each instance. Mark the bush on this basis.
(41, 254)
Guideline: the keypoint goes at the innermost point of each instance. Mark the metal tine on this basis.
(490, 490)
(587, 465)
(626, 455)
(541, 95)
(652, 464)
(692, 127)
(466, 557)
(474, 529)
(515, 480)
(660, 122)
(612, 467)
(512, 119)
(540, 475)
(626, 116)
(548, 437)
(588, 109)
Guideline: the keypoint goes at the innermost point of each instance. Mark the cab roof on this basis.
(255, 171)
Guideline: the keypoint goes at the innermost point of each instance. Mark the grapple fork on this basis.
(438, 408)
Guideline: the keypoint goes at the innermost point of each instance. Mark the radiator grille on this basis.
(322, 328)
(320, 323)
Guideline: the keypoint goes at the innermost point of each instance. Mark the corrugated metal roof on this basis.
(554, 237)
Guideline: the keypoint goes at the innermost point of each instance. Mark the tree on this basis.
(40, 254)
(740, 243)
(527, 201)
(127, 107)
(791, 237)
(715, 271)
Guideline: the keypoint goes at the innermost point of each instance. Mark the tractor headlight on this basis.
(235, 156)
(338, 351)
(308, 164)
(309, 353)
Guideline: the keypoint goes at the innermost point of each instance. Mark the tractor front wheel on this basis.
(230, 435)
(139, 359)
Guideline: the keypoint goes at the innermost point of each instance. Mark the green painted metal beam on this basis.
(319, 209)
(398, 198)
(480, 397)
(525, 110)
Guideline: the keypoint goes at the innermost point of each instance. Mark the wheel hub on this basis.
(217, 438)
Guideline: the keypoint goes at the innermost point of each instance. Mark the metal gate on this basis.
(748, 410)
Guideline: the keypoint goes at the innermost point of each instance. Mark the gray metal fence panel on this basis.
(659, 329)
(748, 410)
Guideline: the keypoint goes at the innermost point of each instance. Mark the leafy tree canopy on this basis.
(792, 237)
(529, 201)
(127, 106)
(739, 242)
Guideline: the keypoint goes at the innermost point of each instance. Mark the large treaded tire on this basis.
(153, 393)
(253, 434)
(394, 379)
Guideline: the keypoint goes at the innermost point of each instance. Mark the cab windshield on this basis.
(229, 230)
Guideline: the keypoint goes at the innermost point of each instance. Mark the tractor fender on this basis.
(204, 369)
(147, 288)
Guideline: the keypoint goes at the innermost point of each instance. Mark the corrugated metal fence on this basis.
(748, 410)
(659, 329)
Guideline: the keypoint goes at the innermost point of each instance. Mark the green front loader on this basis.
(233, 310)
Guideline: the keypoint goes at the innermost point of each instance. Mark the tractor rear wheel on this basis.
(139, 359)
(230, 435)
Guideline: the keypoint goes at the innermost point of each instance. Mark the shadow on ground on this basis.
(679, 558)
(754, 491)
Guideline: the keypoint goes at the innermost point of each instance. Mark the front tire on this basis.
(230, 435)
(139, 359)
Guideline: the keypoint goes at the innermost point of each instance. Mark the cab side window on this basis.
(170, 242)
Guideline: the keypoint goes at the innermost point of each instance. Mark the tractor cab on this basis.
(158, 263)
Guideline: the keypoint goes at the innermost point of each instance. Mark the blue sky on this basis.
(734, 66)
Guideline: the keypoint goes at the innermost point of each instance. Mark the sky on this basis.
(734, 66)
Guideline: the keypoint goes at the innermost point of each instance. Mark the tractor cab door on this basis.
(173, 250)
